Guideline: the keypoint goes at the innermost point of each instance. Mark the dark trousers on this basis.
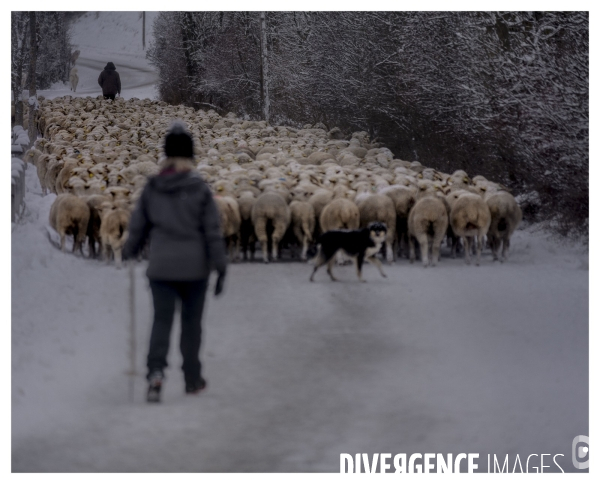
(164, 295)
(109, 96)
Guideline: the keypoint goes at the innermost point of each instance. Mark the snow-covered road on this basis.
(490, 359)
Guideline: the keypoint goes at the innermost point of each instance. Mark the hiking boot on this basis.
(192, 388)
(155, 379)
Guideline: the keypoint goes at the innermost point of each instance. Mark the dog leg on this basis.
(358, 260)
(329, 267)
(376, 262)
(319, 261)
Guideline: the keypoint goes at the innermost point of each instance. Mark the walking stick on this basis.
(132, 348)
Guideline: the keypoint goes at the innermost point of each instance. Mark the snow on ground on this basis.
(490, 359)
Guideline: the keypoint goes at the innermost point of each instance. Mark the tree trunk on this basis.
(18, 85)
(264, 62)
(33, 104)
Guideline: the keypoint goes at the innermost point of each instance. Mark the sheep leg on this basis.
(118, 258)
(105, 251)
(467, 249)
(278, 233)
(424, 244)
(435, 252)
(238, 249)
(375, 261)
(505, 244)
(80, 237)
(479, 242)
(494, 246)
(389, 251)
(304, 247)
(411, 249)
(260, 228)
(436, 244)
(405, 238)
(62, 241)
(251, 247)
(80, 244)
(92, 247)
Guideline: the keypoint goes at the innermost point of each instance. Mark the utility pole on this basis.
(264, 61)
(33, 104)
(144, 30)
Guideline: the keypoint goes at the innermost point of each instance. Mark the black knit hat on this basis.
(178, 142)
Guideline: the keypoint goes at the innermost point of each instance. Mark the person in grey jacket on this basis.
(177, 213)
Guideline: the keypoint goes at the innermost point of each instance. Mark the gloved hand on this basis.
(220, 282)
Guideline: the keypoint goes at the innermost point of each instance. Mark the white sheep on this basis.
(506, 215)
(229, 213)
(94, 203)
(379, 208)
(340, 213)
(69, 215)
(427, 223)
(303, 224)
(470, 219)
(270, 211)
(113, 231)
(404, 199)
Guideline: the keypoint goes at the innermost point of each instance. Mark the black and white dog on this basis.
(360, 245)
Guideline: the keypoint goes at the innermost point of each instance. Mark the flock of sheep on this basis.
(272, 184)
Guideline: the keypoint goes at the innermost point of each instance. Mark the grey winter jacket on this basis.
(110, 81)
(177, 212)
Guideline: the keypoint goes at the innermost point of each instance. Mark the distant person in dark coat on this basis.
(176, 211)
(110, 82)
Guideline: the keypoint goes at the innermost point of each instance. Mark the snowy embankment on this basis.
(490, 359)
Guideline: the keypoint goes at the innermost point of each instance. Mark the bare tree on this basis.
(19, 53)
(264, 63)
(502, 94)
